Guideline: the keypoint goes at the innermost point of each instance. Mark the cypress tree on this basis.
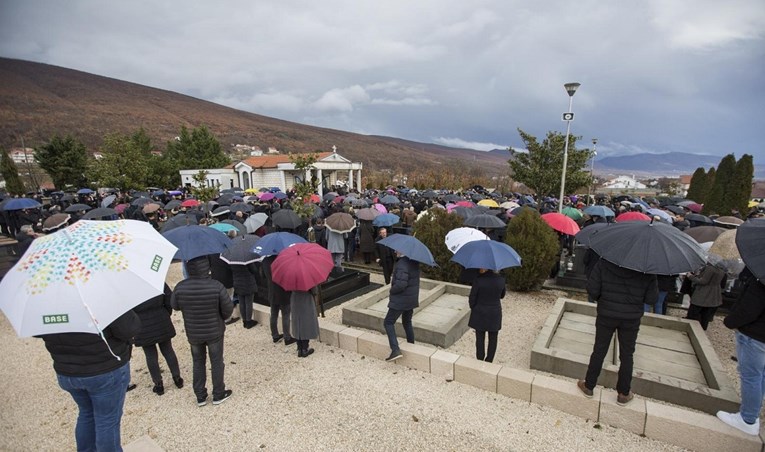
(720, 197)
(697, 188)
(741, 186)
(10, 173)
(711, 175)
(431, 229)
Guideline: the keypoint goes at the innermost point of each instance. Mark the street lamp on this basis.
(592, 169)
(568, 117)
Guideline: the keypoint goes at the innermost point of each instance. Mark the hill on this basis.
(39, 100)
(667, 164)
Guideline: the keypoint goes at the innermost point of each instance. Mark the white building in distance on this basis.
(624, 182)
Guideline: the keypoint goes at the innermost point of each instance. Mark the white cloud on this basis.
(342, 99)
(464, 144)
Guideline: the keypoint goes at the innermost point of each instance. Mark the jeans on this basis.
(658, 308)
(152, 360)
(100, 399)
(627, 332)
(480, 350)
(751, 370)
(199, 357)
(284, 308)
(390, 326)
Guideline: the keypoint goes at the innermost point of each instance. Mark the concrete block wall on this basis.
(673, 425)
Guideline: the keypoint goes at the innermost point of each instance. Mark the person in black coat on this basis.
(157, 330)
(245, 287)
(486, 312)
(279, 300)
(385, 255)
(620, 294)
(404, 298)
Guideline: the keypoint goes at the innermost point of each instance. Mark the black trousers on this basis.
(627, 332)
(702, 314)
(152, 360)
(481, 353)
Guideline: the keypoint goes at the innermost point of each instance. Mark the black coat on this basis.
(748, 314)
(484, 300)
(204, 303)
(276, 294)
(221, 271)
(620, 292)
(245, 282)
(156, 325)
(405, 285)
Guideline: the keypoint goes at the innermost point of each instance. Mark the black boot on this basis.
(159, 388)
(178, 382)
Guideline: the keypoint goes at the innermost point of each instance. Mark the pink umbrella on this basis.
(561, 223)
(465, 204)
(381, 208)
(302, 266)
(632, 216)
(694, 207)
(120, 208)
(267, 196)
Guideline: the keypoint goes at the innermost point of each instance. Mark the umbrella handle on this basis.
(100, 332)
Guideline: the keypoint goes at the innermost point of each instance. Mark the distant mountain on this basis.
(38, 101)
(670, 164)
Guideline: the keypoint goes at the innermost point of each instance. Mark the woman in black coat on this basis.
(486, 311)
(158, 329)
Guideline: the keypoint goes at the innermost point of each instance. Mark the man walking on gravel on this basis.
(404, 297)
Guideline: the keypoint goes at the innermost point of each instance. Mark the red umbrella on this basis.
(190, 203)
(632, 216)
(302, 266)
(314, 198)
(693, 207)
(465, 204)
(561, 223)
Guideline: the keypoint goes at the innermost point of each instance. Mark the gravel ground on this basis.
(333, 400)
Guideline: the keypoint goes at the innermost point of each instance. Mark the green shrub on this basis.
(537, 244)
(431, 229)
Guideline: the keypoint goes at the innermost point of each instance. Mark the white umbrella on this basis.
(456, 238)
(81, 278)
(255, 221)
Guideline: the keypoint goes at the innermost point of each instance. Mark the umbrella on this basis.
(275, 242)
(329, 197)
(488, 203)
(586, 233)
(84, 191)
(386, 219)
(314, 198)
(225, 199)
(484, 221)
(725, 245)
(750, 243)
(101, 212)
(106, 202)
(77, 208)
(380, 208)
(20, 203)
(175, 193)
(648, 247)
(224, 227)
(181, 219)
(302, 267)
(286, 219)
(561, 223)
(240, 207)
(463, 212)
(728, 221)
(430, 194)
(150, 208)
(697, 218)
(280, 195)
(242, 251)
(190, 203)
(222, 210)
(704, 234)
(410, 247)
(315, 210)
(142, 201)
(120, 208)
(240, 228)
(83, 277)
(452, 197)
(194, 241)
(255, 222)
(488, 254)
(67, 198)
(55, 221)
(677, 210)
(390, 199)
(173, 204)
(693, 207)
(509, 205)
(599, 211)
(573, 213)
(340, 222)
(661, 214)
(632, 216)
(464, 203)
(456, 238)
(367, 214)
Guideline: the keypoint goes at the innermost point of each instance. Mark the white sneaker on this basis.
(735, 420)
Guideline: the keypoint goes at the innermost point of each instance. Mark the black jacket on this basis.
(484, 300)
(203, 302)
(86, 355)
(748, 313)
(405, 285)
(245, 282)
(156, 325)
(276, 294)
(620, 292)
(221, 271)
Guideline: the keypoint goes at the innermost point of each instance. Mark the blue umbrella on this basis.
(386, 219)
(274, 242)
(21, 203)
(661, 214)
(194, 241)
(223, 227)
(390, 199)
(488, 254)
(600, 211)
(280, 195)
(84, 191)
(409, 247)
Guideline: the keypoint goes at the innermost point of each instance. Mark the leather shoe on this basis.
(278, 338)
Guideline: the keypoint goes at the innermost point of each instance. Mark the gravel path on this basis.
(333, 400)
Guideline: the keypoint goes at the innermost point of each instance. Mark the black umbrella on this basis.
(240, 207)
(242, 252)
(430, 194)
(653, 248)
(452, 198)
(750, 241)
(226, 199)
(242, 230)
(181, 219)
(464, 212)
(585, 234)
(222, 210)
(173, 204)
(703, 234)
(142, 201)
(77, 207)
(677, 210)
(67, 198)
(484, 221)
(286, 219)
(101, 212)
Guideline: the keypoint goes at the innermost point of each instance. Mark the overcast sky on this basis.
(656, 75)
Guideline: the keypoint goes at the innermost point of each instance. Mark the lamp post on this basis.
(568, 117)
(592, 170)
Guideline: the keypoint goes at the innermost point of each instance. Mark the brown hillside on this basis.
(39, 100)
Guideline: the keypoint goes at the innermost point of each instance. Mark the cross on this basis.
(334, 148)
